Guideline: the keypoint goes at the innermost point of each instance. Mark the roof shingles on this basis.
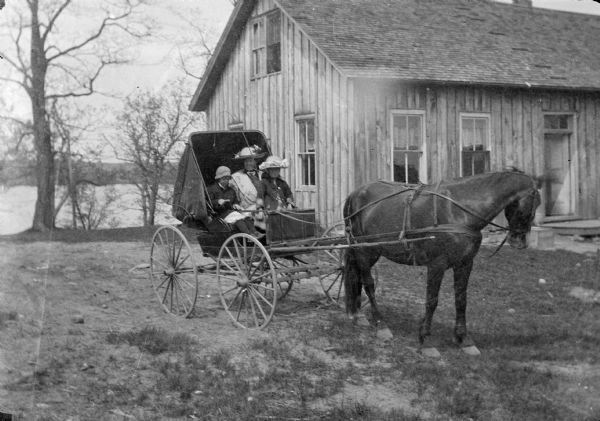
(454, 41)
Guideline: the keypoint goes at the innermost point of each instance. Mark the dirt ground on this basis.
(58, 296)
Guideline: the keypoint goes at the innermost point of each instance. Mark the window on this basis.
(266, 44)
(475, 141)
(306, 152)
(407, 139)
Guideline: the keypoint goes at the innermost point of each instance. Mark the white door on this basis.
(558, 194)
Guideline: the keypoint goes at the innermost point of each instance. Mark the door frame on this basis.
(574, 181)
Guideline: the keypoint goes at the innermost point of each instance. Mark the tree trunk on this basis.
(43, 218)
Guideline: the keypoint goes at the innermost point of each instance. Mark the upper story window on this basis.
(266, 44)
(305, 169)
(408, 145)
(475, 144)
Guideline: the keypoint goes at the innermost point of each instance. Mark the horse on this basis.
(437, 226)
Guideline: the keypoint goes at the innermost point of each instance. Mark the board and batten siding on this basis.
(516, 120)
(307, 85)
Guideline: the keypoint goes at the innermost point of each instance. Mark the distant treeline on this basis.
(15, 173)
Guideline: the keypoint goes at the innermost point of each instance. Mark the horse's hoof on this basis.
(385, 334)
(430, 352)
(471, 350)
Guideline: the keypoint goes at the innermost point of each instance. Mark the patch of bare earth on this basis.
(64, 300)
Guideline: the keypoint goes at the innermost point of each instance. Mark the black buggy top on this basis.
(204, 153)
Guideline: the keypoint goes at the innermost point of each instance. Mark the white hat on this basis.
(273, 162)
(222, 172)
(249, 152)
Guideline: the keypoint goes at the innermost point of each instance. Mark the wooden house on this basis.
(352, 91)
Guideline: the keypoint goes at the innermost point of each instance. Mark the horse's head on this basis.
(520, 214)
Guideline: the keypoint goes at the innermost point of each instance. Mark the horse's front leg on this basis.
(435, 274)
(461, 281)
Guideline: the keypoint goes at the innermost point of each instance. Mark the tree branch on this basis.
(52, 20)
(90, 84)
(106, 22)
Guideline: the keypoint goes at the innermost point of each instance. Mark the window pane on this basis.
(307, 162)
(479, 163)
(301, 136)
(256, 62)
(467, 133)
(306, 149)
(414, 132)
(257, 35)
(400, 132)
(273, 28)
(310, 135)
(273, 58)
(406, 167)
(475, 162)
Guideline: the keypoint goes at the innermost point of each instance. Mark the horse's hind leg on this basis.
(383, 332)
(435, 274)
(461, 281)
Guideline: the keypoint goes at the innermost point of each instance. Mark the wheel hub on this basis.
(169, 272)
(243, 282)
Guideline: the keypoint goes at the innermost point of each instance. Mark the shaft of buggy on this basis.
(308, 248)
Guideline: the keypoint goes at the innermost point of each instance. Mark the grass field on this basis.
(129, 360)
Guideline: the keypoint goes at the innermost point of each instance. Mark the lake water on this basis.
(17, 205)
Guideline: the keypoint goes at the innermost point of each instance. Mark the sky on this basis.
(155, 63)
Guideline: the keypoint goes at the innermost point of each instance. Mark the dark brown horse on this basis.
(453, 212)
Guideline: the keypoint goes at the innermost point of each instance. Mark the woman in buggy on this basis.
(277, 194)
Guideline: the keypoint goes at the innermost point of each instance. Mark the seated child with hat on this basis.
(226, 204)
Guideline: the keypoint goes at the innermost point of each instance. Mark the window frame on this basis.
(487, 149)
(299, 168)
(423, 178)
(260, 48)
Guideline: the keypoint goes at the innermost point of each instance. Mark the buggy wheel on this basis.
(284, 287)
(332, 282)
(173, 271)
(247, 281)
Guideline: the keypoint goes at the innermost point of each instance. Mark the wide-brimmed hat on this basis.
(273, 162)
(222, 172)
(249, 152)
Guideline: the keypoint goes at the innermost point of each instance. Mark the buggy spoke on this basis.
(239, 269)
(253, 274)
(252, 308)
(257, 293)
(180, 263)
(165, 279)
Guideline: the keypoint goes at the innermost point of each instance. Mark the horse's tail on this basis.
(352, 282)
(351, 271)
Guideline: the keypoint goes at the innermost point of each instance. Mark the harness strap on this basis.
(435, 208)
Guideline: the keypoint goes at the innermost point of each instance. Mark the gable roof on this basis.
(449, 41)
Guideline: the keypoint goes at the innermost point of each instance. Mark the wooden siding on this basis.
(352, 119)
(516, 120)
(307, 85)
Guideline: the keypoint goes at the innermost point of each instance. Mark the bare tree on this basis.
(194, 46)
(49, 68)
(154, 128)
